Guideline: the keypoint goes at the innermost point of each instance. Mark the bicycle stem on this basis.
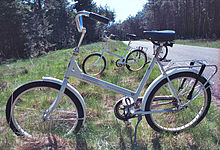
(82, 37)
(105, 45)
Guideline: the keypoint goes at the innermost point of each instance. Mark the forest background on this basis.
(31, 28)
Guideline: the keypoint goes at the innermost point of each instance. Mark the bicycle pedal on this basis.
(128, 101)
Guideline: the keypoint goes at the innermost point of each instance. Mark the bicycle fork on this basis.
(62, 89)
(56, 101)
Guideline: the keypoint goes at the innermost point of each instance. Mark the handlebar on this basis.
(79, 21)
(99, 18)
(108, 35)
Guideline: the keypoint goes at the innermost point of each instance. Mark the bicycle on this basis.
(176, 100)
(95, 64)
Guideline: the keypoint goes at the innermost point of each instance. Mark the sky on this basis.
(123, 8)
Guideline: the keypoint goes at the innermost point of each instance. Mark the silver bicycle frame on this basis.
(74, 71)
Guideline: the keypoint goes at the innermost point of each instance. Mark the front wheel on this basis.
(136, 60)
(161, 99)
(94, 64)
(27, 105)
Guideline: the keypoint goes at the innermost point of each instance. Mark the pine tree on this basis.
(36, 28)
(12, 41)
(62, 21)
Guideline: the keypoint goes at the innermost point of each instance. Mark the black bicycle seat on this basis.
(160, 36)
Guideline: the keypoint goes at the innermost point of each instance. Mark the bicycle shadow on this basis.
(81, 143)
(55, 143)
(133, 145)
(47, 142)
(139, 144)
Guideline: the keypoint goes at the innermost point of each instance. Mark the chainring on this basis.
(118, 64)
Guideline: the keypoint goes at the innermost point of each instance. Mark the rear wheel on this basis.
(136, 60)
(94, 64)
(161, 99)
(27, 105)
(163, 53)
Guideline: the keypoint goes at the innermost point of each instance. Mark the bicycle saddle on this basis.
(160, 36)
(131, 36)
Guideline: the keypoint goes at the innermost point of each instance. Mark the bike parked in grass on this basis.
(177, 99)
(134, 60)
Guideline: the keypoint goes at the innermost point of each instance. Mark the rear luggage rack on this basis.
(208, 70)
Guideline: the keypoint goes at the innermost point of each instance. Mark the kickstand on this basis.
(135, 132)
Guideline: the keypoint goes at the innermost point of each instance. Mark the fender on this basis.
(159, 79)
(72, 89)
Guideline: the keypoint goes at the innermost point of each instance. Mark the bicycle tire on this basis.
(89, 67)
(168, 121)
(25, 107)
(135, 60)
(163, 53)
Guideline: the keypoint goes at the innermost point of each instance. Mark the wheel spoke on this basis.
(189, 115)
(94, 64)
(136, 60)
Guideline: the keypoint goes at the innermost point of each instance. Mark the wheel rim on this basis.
(136, 61)
(28, 109)
(178, 120)
(162, 53)
(94, 65)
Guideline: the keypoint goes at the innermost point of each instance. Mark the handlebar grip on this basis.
(99, 18)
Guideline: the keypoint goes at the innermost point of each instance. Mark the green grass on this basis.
(201, 43)
(102, 130)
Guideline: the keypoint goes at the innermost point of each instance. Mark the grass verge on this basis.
(102, 130)
(200, 42)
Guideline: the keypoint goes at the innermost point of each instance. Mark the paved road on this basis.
(185, 52)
